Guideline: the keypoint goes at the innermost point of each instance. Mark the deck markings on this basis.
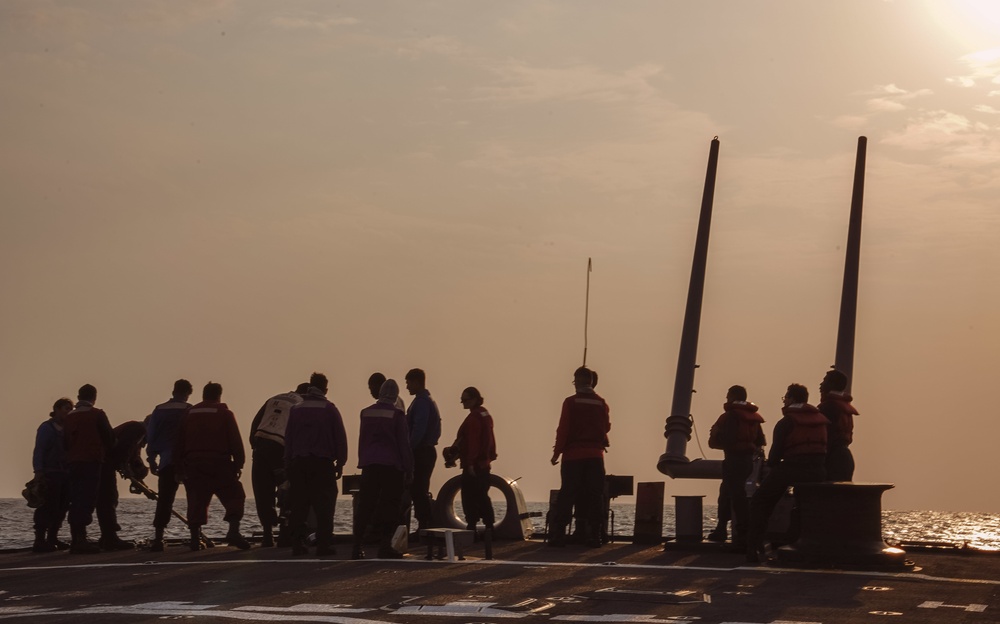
(933, 604)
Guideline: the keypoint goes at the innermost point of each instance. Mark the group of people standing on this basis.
(809, 444)
(299, 448)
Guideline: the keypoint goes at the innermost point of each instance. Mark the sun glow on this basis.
(973, 22)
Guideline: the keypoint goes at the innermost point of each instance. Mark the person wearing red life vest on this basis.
(211, 456)
(581, 437)
(477, 448)
(89, 438)
(798, 455)
(835, 403)
(739, 435)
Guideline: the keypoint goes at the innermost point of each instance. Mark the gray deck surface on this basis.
(527, 580)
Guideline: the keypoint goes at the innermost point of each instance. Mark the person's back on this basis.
(87, 433)
(383, 438)
(316, 428)
(209, 429)
(836, 404)
(162, 429)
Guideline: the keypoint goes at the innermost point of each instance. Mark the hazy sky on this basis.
(246, 192)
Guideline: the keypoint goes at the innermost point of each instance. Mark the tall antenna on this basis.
(586, 311)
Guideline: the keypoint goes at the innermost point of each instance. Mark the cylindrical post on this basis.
(849, 296)
(678, 427)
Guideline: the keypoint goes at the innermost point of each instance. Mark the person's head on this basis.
(416, 380)
(593, 380)
(212, 392)
(61, 407)
(375, 384)
(471, 398)
(833, 381)
(796, 393)
(583, 377)
(87, 393)
(736, 393)
(302, 388)
(182, 389)
(319, 381)
(388, 392)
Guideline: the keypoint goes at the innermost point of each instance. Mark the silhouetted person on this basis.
(315, 455)
(267, 441)
(798, 455)
(386, 461)
(161, 438)
(477, 448)
(424, 421)
(48, 461)
(581, 437)
(211, 457)
(738, 434)
(89, 439)
(125, 457)
(375, 387)
(835, 403)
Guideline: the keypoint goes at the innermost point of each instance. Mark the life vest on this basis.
(275, 420)
(747, 429)
(842, 420)
(808, 433)
(82, 434)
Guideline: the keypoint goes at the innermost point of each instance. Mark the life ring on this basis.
(516, 523)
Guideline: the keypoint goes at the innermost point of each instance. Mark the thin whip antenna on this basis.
(586, 311)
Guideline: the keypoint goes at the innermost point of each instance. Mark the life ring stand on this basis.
(516, 523)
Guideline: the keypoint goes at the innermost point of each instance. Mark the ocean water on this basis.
(135, 515)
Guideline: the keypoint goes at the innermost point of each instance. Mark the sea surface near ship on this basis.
(135, 515)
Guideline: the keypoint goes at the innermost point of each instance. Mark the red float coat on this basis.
(209, 430)
(738, 429)
(583, 427)
(476, 444)
(802, 431)
(87, 434)
(836, 406)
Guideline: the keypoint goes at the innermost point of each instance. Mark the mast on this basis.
(674, 461)
(849, 296)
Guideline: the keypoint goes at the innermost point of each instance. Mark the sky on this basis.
(247, 192)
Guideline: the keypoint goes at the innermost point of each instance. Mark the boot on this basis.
(196, 544)
(357, 552)
(53, 538)
(233, 537)
(717, 535)
(41, 544)
(299, 547)
(111, 541)
(558, 537)
(268, 540)
(80, 544)
(158, 544)
(488, 541)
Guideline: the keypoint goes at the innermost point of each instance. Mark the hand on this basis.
(154, 467)
(471, 471)
(337, 471)
(239, 473)
(555, 459)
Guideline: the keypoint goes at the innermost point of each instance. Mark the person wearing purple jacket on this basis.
(386, 462)
(315, 454)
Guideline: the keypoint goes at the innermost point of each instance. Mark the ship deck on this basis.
(620, 582)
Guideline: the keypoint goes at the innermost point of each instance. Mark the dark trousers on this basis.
(266, 474)
(167, 486)
(736, 467)
(725, 507)
(107, 500)
(205, 477)
(50, 514)
(800, 469)
(84, 482)
(582, 479)
(424, 458)
(839, 464)
(378, 502)
(313, 484)
(476, 497)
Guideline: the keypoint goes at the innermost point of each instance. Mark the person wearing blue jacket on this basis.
(161, 436)
(424, 422)
(48, 461)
